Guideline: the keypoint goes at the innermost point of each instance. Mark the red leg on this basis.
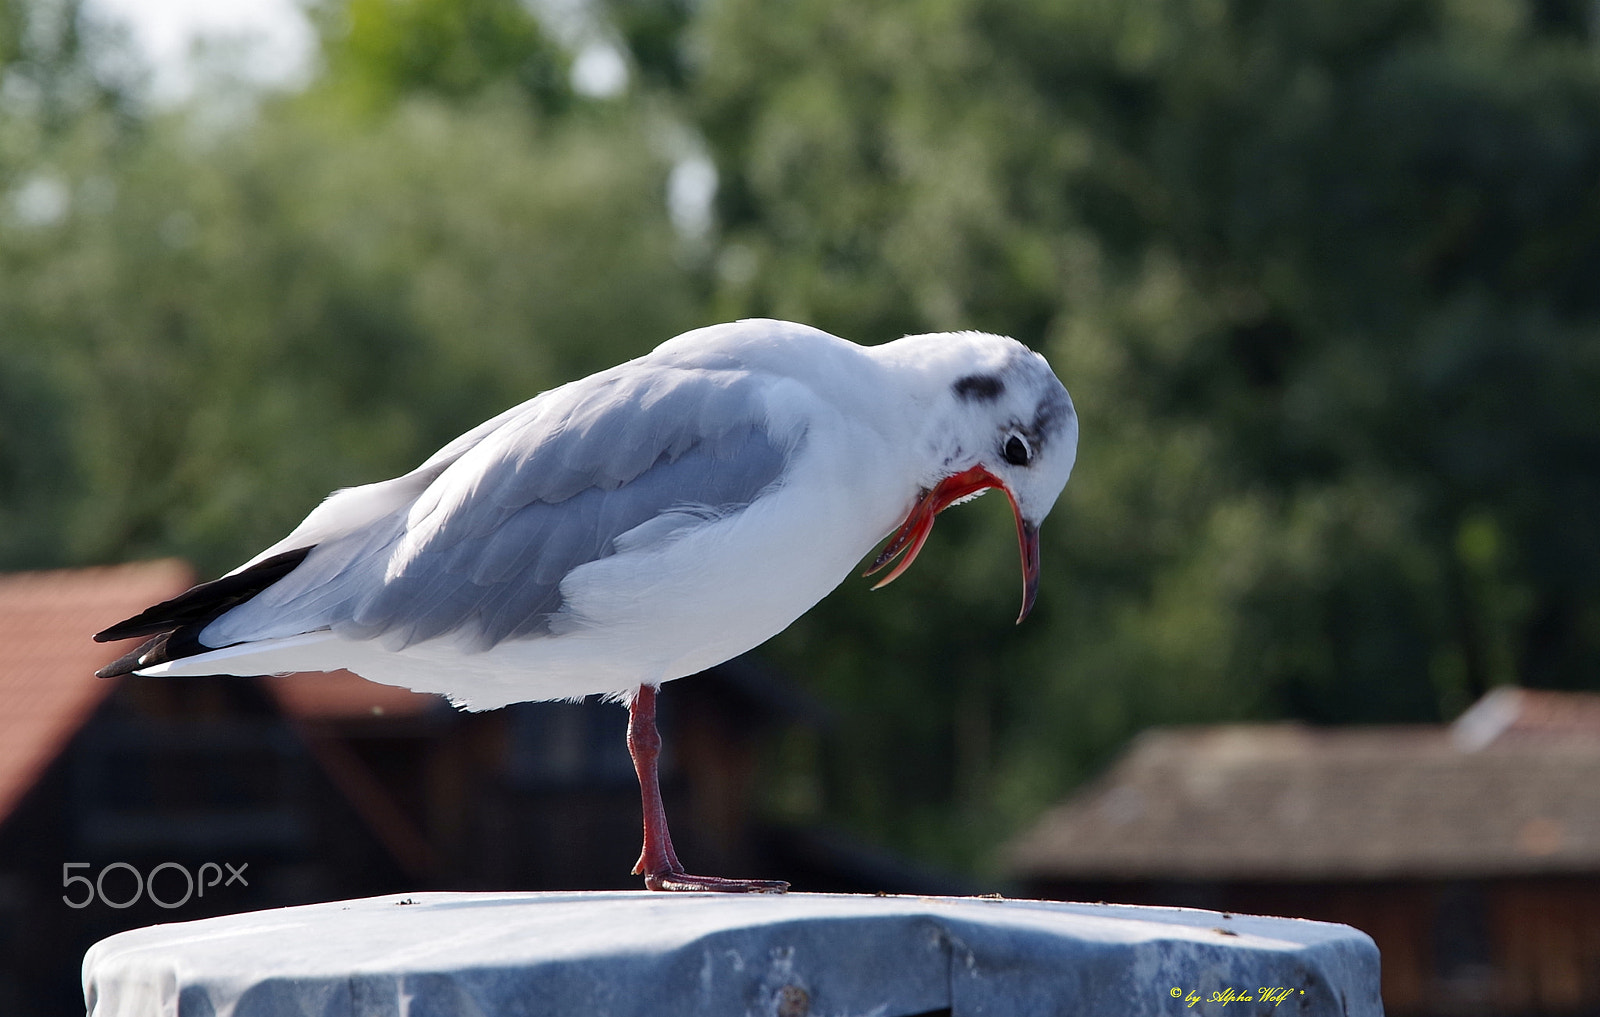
(644, 744)
(658, 863)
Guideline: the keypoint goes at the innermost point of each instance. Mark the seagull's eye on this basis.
(1017, 451)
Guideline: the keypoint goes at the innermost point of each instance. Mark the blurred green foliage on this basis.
(376, 52)
(1321, 277)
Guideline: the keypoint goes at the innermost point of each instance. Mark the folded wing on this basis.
(616, 462)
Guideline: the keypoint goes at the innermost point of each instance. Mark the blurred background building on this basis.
(1469, 852)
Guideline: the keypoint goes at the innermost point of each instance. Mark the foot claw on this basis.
(684, 882)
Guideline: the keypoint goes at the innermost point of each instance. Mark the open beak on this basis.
(913, 533)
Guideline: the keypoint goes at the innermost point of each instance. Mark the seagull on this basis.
(636, 526)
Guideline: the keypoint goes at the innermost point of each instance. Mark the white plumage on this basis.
(860, 431)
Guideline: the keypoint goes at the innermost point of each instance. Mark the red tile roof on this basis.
(47, 683)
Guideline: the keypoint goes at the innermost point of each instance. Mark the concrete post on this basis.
(794, 955)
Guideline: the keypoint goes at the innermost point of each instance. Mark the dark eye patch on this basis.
(984, 388)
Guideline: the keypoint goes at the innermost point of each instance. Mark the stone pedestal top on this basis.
(790, 955)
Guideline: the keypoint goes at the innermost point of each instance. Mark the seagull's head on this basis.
(1001, 419)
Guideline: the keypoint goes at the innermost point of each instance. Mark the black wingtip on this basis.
(175, 624)
(128, 628)
(146, 654)
(204, 602)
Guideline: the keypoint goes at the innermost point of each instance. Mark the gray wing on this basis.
(554, 484)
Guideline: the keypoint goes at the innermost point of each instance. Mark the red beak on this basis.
(913, 533)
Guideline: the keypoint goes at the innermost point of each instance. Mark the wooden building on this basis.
(1469, 852)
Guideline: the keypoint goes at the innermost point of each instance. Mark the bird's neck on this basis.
(924, 369)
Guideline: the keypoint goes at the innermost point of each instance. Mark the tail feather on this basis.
(176, 624)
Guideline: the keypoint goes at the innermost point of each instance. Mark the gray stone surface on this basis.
(795, 955)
